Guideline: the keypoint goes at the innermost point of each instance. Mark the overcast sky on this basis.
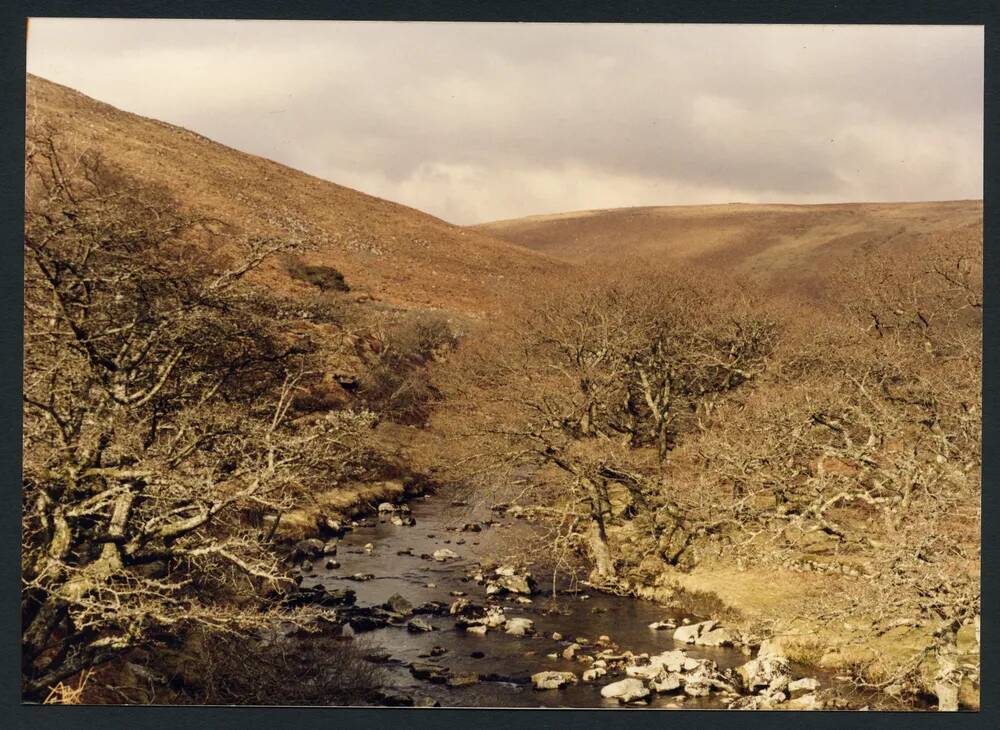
(476, 122)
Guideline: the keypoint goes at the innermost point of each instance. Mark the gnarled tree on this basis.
(158, 423)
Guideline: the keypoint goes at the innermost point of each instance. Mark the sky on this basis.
(479, 122)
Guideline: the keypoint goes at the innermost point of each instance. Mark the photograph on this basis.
(426, 364)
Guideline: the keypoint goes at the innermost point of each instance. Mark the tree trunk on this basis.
(949, 676)
(597, 539)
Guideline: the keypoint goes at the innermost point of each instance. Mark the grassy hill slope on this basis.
(387, 251)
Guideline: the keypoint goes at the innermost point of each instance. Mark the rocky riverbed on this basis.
(421, 586)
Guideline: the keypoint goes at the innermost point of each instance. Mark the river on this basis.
(504, 663)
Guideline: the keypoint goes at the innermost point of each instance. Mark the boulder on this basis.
(552, 680)
(675, 661)
(444, 554)
(479, 629)
(661, 625)
(431, 672)
(626, 690)
(667, 682)
(520, 584)
(330, 547)
(806, 702)
(689, 634)
(336, 528)
(806, 684)
(463, 680)
(331, 564)
(319, 595)
(386, 507)
(401, 520)
(770, 668)
(311, 548)
(398, 604)
(519, 626)
(418, 625)
(392, 698)
(494, 617)
(594, 673)
(570, 651)
(645, 672)
(717, 637)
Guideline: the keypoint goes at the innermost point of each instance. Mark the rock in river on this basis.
(311, 548)
(770, 668)
(418, 625)
(627, 690)
(444, 554)
(689, 634)
(519, 626)
(398, 604)
(552, 680)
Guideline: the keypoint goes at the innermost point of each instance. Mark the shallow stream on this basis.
(503, 662)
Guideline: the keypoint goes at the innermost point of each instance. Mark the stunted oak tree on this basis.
(865, 443)
(158, 421)
(588, 393)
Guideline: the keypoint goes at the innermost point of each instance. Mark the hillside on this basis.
(386, 251)
(787, 244)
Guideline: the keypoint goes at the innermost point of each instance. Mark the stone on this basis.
(552, 680)
(402, 520)
(362, 577)
(311, 548)
(369, 547)
(689, 634)
(418, 625)
(319, 595)
(519, 626)
(594, 673)
(391, 698)
(463, 680)
(425, 702)
(661, 625)
(397, 604)
(556, 636)
(307, 567)
(806, 684)
(674, 661)
(432, 672)
(806, 702)
(334, 527)
(471, 527)
(717, 637)
(769, 668)
(626, 690)
(330, 547)
(645, 672)
(494, 617)
(331, 564)
(438, 651)
(670, 682)
(444, 554)
(386, 507)
(570, 651)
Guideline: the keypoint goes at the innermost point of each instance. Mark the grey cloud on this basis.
(473, 122)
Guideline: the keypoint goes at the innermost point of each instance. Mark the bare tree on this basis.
(590, 391)
(158, 421)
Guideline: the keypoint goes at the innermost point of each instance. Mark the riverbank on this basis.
(770, 603)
